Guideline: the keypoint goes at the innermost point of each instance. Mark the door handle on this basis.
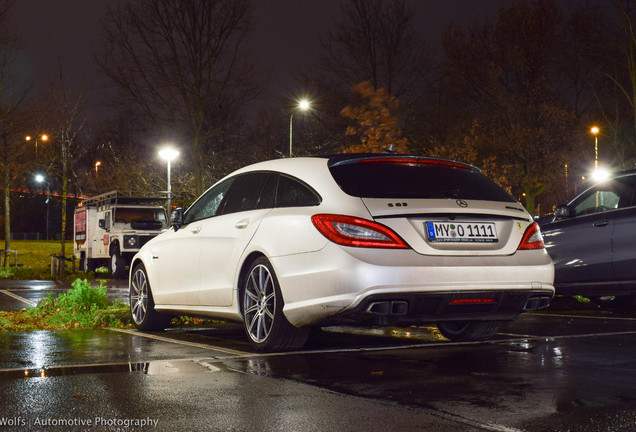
(242, 224)
(600, 224)
(196, 230)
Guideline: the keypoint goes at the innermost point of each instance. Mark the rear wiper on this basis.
(449, 193)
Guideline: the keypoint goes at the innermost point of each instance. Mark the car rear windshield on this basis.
(414, 178)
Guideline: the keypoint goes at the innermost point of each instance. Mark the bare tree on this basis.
(510, 95)
(375, 41)
(66, 119)
(371, 41)
(12, 92)
(609, 34)
(181, 64)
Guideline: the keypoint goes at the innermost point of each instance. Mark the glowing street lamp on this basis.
(97, 165)
(303, 105)
(43, 137)
(169, 154)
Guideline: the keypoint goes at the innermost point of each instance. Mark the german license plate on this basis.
(461, 232)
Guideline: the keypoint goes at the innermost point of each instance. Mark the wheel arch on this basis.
(135, 261)
(114, 245)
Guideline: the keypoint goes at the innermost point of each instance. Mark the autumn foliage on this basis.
(373, 121)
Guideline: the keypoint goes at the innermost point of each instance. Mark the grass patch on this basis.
(82, 307)
(34, 261)
(36, 253)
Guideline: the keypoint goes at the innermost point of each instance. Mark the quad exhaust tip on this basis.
(395, 308)
(536, 303)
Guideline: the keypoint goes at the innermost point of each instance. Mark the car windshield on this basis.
(414, 178)
(145, 218)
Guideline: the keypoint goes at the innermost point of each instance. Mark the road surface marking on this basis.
(585, 316)
(179, 342)
(17, 297)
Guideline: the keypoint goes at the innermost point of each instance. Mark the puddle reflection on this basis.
(157, 367)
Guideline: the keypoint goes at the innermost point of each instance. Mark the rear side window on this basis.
(415, 178)
(283, 191)
(292, 193)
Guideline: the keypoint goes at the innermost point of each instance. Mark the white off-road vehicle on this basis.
(110, 228)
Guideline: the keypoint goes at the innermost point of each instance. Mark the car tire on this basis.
(462, 331)
(142, 304)
(265, 325)
(117, 265)
(88, 264)
(618, 302)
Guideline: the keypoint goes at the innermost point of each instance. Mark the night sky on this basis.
(66, 33)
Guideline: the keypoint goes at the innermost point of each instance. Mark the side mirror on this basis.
(102, 223)
(562, 212)
(176, 218)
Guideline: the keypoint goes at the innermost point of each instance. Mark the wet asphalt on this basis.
(573, 369)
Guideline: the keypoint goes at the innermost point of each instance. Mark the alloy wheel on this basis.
(139, 296)
(259, 303)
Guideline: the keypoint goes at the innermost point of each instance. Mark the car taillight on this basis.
(411, 161)
(473, 301)
(357, 232)
(532, 238)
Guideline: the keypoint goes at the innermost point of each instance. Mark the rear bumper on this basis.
(340, 284)
(420, 308)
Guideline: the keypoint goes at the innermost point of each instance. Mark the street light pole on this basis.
(291, 117)
(48, 198)
(169, 188)
(169, 154)
(41, 179)
(595, 130)
(303, 105)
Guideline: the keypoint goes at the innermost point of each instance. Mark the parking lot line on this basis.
(583, 316)
(175, 341)
(17, 297)
(235, 354)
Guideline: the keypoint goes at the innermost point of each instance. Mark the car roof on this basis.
(311, 170)
(624, 173)
(293, 164)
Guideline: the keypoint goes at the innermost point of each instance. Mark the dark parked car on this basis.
(592, 241)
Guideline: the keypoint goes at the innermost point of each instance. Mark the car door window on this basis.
(209, 204)
(628, 199)
(608, 196)
(268, 195)
(245, 192)
(293, 193)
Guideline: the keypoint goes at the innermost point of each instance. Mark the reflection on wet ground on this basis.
(545, 372)
(44, 349)
(157, 367)
(537, 374)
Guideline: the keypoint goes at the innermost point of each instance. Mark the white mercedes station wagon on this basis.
(288, 244)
